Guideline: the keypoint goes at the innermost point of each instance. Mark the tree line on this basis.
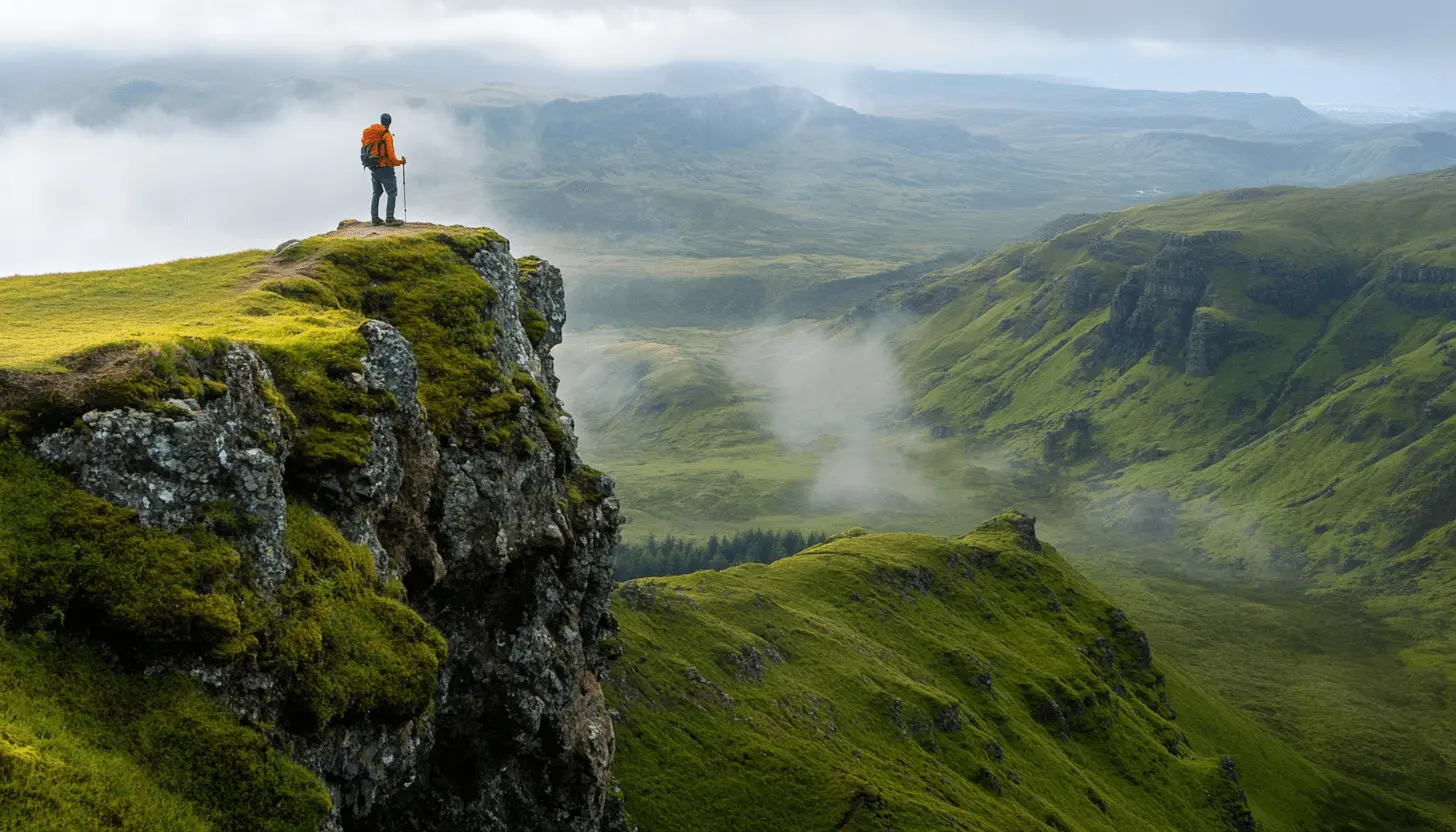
(679, 556)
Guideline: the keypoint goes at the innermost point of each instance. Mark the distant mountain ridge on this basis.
(895, 91)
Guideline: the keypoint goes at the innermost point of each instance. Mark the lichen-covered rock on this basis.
(499, 269)
(169, 463)
(518, 580)
(388, 498)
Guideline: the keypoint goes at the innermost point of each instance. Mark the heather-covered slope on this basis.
(910, 682)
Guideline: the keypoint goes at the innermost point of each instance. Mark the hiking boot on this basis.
(393, 221)
(377, 221)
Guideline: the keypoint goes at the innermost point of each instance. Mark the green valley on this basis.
(1233, 411)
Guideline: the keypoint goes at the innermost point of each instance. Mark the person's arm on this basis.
(389, 149)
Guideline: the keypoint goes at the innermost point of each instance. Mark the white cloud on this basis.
(581, 35)
(155, 188)
(1329, 50)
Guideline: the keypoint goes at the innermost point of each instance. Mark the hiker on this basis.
(377, 154)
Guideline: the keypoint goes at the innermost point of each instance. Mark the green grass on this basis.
(848, 685)
(51, 317)
(1323, 674)
(83, 747)
(1311, 583)
(1319, 451)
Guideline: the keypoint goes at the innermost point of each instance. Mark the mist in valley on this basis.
(842, 398)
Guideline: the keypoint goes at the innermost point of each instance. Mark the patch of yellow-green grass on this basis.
(50, 317)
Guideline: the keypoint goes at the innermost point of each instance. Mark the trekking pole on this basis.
(404, 184)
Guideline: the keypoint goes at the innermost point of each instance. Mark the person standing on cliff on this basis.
(377, 153)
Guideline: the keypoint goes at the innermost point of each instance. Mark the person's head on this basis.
(385, 119)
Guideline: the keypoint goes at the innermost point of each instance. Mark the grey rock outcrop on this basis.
(1152, 310)
(1422, 287)
(1211, 339)
(1081, 291)
(167, 464)
(385, 504)
(1295, 290)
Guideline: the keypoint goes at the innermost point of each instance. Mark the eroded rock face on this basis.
(1152, 310)
(1211, 339)
(386, 505)
(512, 567)
(1422, 287)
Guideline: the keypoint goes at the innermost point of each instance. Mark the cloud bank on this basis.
(1394, 53)
(155, 188)
(1396, 25)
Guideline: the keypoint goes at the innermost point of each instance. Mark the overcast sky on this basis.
(1393, 52)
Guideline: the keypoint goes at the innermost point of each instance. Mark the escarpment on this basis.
(410, 568)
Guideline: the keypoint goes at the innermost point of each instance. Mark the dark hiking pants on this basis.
(383, 183)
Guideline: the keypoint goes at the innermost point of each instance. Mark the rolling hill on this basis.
(906, 682)
(746, 190)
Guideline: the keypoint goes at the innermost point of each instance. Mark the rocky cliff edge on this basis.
(371, 540)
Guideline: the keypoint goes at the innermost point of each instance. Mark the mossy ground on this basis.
(73, 561)
(906, 682)
(351, 649)
(74, 568)
(85, 747)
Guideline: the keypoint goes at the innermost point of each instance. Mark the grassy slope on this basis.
(52, 316)
(849, 685)
(86, 590)
(1321, 450)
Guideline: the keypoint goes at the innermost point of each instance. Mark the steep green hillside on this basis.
(919, 683)
(1269, 371)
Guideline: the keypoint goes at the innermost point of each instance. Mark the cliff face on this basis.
(453, 685)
